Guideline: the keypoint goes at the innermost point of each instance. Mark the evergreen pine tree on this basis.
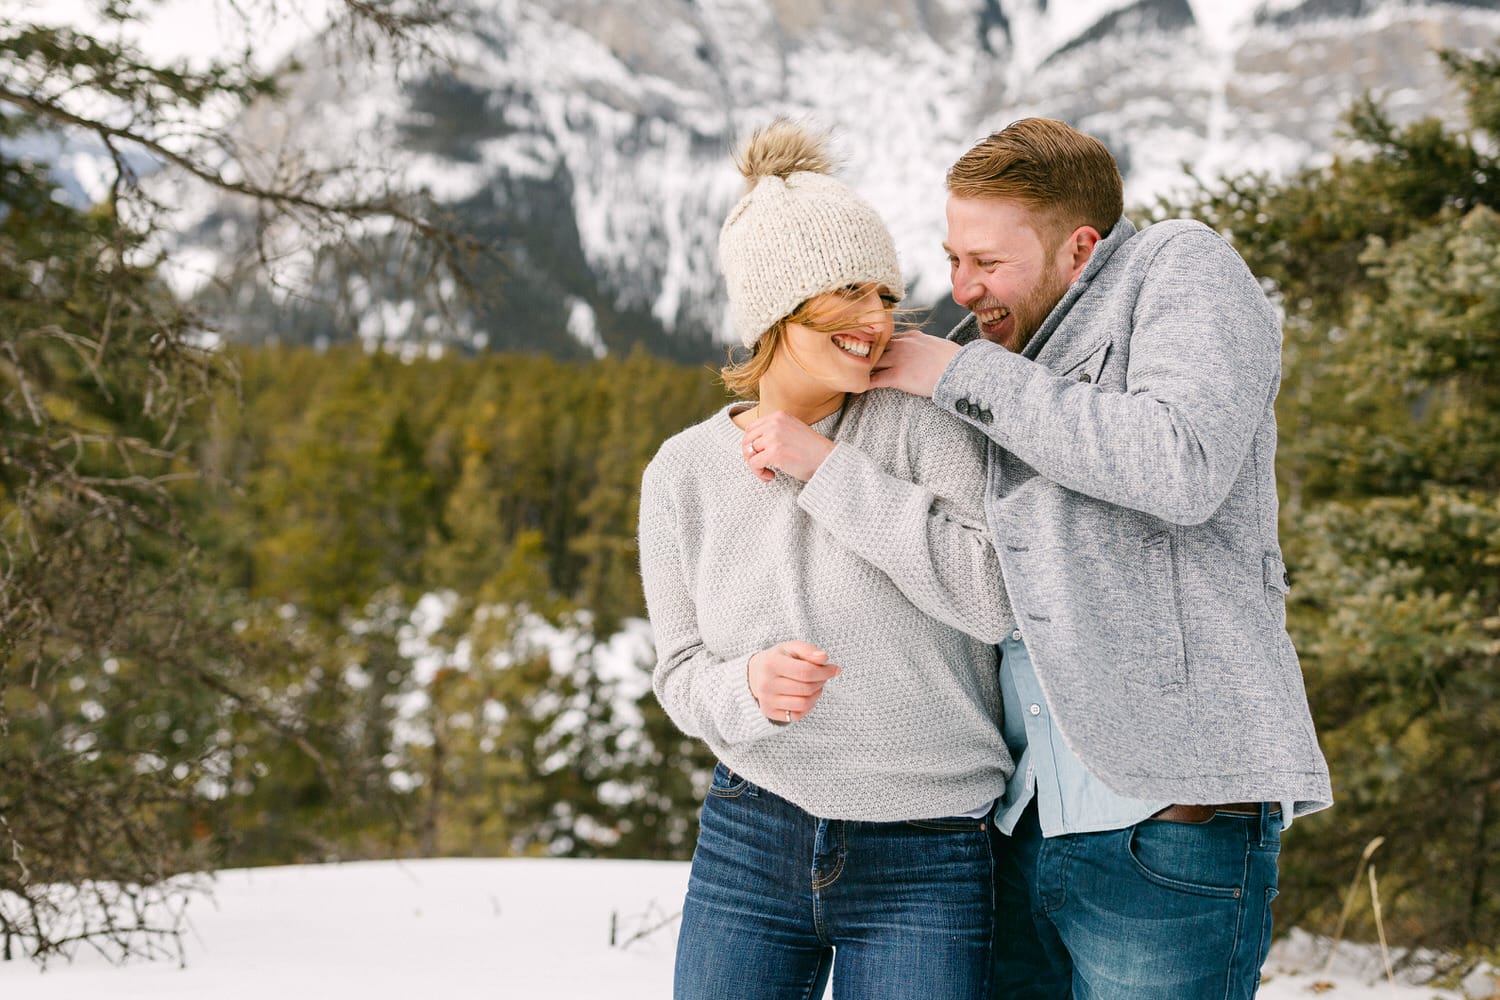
(1385, 264)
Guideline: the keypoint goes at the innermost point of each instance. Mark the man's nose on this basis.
(966, 285)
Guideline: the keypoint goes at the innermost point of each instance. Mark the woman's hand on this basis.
(782, 443)
(787, 679)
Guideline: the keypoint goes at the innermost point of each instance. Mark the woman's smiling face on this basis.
(841, 349)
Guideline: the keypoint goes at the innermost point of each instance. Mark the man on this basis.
(1153, 700)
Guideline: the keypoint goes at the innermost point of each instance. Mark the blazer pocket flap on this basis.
(1089, 367)
(1276, 576)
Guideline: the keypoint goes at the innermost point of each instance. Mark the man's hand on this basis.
(787, 679)
(781, 442)
(913, 362)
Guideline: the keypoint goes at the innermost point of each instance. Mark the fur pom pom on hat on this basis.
(797, 232)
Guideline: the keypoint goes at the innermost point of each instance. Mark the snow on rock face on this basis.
(632, 106)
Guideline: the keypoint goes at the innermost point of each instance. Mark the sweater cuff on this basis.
(757, 726)
(826, 493)
(983, 376)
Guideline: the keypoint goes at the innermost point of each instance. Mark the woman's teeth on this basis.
(854, 346)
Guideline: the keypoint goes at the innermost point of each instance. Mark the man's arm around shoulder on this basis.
(1204, 358)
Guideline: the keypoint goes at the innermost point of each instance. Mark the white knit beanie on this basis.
(797, 232)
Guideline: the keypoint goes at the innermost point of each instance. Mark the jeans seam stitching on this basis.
(1065, 870)
(838, 868)
(1239, 924)
(728, 793)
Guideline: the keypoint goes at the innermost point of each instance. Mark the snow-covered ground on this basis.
(508, 928)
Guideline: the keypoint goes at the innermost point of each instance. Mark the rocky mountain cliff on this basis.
(588, 139)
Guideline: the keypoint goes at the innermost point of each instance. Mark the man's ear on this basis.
(1078, 248)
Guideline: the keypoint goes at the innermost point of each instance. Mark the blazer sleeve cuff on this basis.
(983, 377)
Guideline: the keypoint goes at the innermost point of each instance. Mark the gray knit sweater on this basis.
(884, 560)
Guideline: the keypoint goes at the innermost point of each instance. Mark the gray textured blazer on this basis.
(1132, 493)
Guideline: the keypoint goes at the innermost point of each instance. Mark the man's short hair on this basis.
(1068, 178)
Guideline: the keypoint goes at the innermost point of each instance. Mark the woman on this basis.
(817, 568)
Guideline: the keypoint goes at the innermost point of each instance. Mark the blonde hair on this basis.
(743, 377)
(1067, 178)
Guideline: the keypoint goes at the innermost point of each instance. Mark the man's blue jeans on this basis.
(775, 894)
(1156, 911)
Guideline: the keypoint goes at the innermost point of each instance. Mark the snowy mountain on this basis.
(589, 138)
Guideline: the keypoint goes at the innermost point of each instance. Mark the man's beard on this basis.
(1030, 311)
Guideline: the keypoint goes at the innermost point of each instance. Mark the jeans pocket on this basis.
(726, 784)
(1203, 859)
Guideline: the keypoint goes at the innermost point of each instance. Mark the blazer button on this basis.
(985, 417)
(962, 406)
(1085, 377)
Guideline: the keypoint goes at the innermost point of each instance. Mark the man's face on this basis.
(1003, 268)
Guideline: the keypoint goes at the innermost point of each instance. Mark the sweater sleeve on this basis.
(1205, 356)
(705, 696)
(928, 534)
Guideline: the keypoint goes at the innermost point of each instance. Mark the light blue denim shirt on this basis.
(1069, 799)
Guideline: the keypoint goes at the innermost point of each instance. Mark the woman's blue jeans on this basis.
(1154, 911)
(778, 898)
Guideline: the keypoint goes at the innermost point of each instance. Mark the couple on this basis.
(993, 657)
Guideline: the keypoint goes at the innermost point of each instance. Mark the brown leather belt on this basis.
(1202, 814)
